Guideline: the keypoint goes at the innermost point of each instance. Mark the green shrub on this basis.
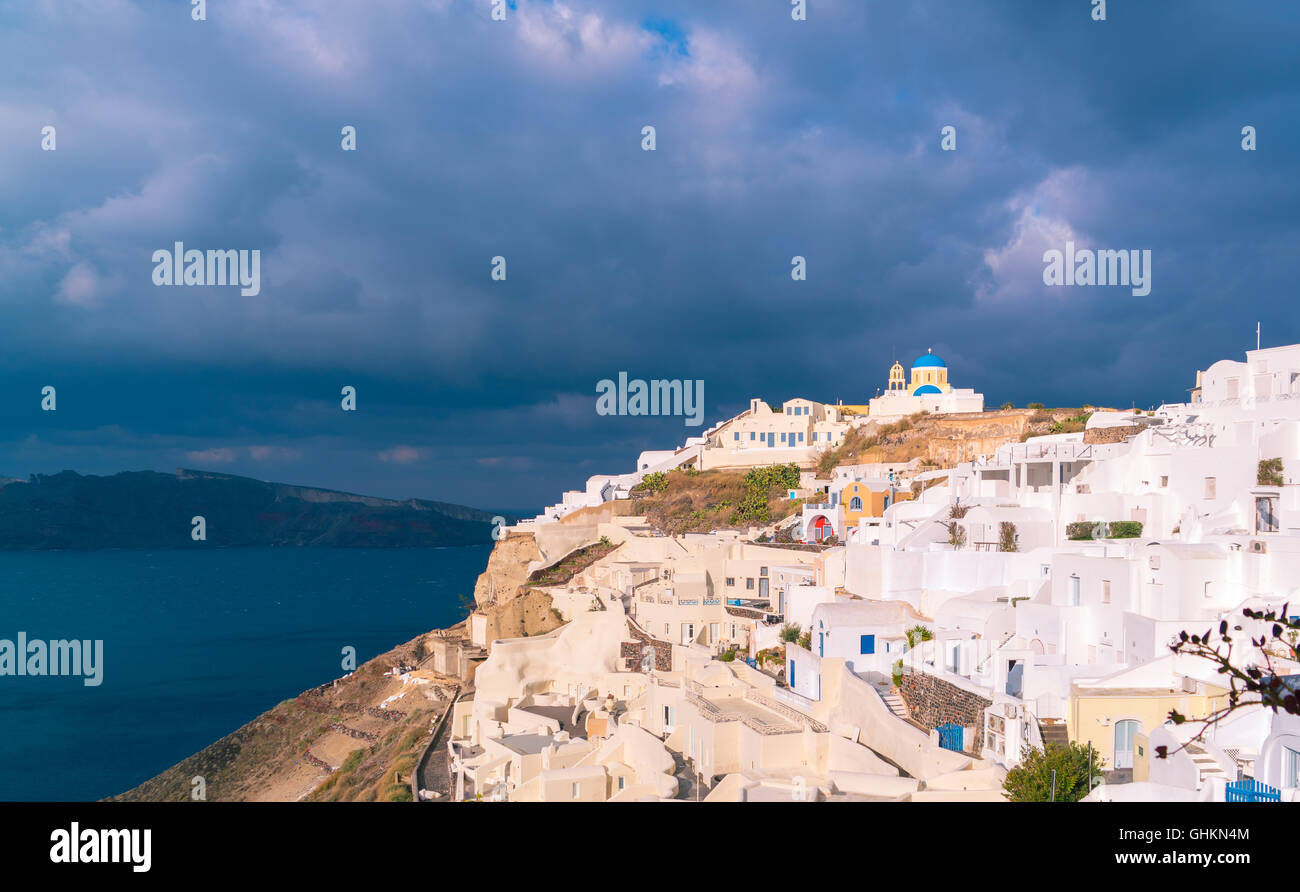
(916, 635)
(1076, 766)
(790, 632)
(727, 656)
(1007, 536)
(1270, 472)
(1081, 529)
(655, 481)
(1125, 529)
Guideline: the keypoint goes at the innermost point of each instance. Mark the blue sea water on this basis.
(196, 643)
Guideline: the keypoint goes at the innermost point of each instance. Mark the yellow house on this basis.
(1117, 713)
(859, 500)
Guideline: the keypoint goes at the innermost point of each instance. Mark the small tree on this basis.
(655, 481)
(1270, 472)
(956, 532)
(917, 634)
(1258, 681)
(1076, 766)
(1007, 536)
(790, 632)
(1008, 405)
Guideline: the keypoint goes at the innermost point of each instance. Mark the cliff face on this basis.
(147, 509)
(507, 568)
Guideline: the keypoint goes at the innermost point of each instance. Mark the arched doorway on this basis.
(1125, 731)
(821, 528)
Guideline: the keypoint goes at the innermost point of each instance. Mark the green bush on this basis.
(655, 481)
(790, 632)
(916, 635)
(1076, 766)
(1125, 529)
(727, 656)
(1081, 529)
(1270, 472)
(1007, 536)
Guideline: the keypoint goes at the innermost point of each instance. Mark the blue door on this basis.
(771, 439)
(950, 737)
(821, 644)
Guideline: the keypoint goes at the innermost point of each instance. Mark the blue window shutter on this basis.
(868, 644)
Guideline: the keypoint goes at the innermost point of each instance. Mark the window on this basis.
(867, 644)
(855, 504)
(801, 436)
(622, 782)
(575, 791)
(749, 583)
(1074, 591)
(1210, 488)
(1164, 480)
(736, 435)
(1105, 591)
(731, 580)
(688, 633)
(762, 571)
(1290, 767)
(751, 435)
(1265, 515)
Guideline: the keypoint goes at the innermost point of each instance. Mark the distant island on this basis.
(149, 509)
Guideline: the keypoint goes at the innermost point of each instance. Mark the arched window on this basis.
(855, 504)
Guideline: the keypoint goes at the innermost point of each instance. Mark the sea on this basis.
(196, 642)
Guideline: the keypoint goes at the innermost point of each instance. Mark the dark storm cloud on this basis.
(478, 138)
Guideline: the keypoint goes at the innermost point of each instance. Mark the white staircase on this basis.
(1207, 767)
(895, 704)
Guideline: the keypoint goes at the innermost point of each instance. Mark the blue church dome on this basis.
(929, 361)
(926, 388)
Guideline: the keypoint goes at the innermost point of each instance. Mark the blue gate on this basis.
(1251, 790)
(950, 737)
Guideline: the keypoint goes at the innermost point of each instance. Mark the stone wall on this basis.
(932, 702)
(1111, 434)
(631, 651)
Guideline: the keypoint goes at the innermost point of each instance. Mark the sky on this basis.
(523, 139)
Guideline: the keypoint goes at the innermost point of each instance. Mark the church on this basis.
(927, 391)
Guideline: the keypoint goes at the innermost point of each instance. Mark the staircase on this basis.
(1054, 732)
(1207, 766)
(895, 704)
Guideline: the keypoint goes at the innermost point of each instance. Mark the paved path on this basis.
(435, 770)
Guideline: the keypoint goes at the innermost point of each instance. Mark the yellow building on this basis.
(859, 500)
(1117, 714)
